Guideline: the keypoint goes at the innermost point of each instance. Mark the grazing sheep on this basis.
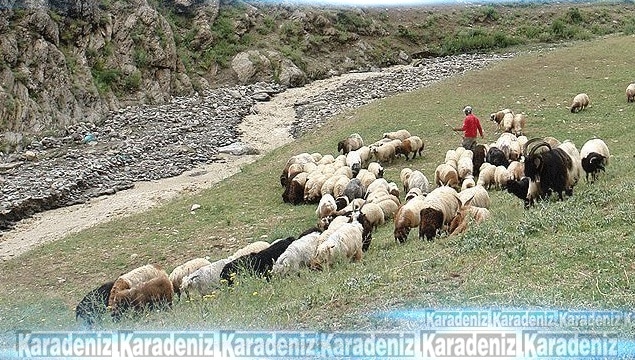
(376, 185)
(384, 153)
(155, 293)
(496, 157)
(516, 170)
(204, 280)
(501, 175)
(344, 243)
(253, 247)
(477, 196)
(297, 159)
(498, 116)
(183, 270)
(343, 170)
(326, 207)
(408, 216)
(366, 177)
(417, 180)
(133, 278)
(404, 175)
(414, 192)
(518, 124)
(340, 185)
(298, 254)
(464, 167)
(446, 175)
(399, 134)
(486, 175)
(259, 263)
(313, 187)
(580, 102)
(371, 214)
(413, 145)
(389, 207)
(364, 154)
(294, 191)
(351, 143)
(525, 190)
(594, 156)
(326, 159)
(467, 214)
(354, 189)
(575, 172)
(353, 206)
(354, 161)
(630, 93)
(376, 169)
(479, 158)
(439, 208)
(94, 305)
(468, 182)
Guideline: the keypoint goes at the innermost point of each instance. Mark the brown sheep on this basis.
(154, 293)
(413, 145)
(439, 208)
(465, 216)
(408, 216)
(134, 278)
(446, 175)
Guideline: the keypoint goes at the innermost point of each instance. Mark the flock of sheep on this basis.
(352, 199)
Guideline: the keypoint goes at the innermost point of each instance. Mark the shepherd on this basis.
(471, 125)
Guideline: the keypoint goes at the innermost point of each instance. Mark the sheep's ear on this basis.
(468, 202)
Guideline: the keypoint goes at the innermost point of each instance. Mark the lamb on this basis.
(204, 280)
(94, 305)
(418, 180)
(399, 134)
(486, 175)
(326, 207)
(580, 102)
(439, 208)
(630, 93)
(183, 270)
(516, 170)
(477, 196)
(376, 169)
(501, 175)
(253, 247)
(259, 263)
(594, 156)
(467, 214)
(298, 254)
(384, 153)
(408, 216)
(352, 142)
(446, 175)
(133, 278)
(155, 293)
(344, 243)
(413, 145)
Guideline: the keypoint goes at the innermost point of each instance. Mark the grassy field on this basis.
(577, 253)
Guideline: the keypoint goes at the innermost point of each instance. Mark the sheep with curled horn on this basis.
(550, 167)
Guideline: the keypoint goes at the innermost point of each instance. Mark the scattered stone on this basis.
(195, 207)
(238, 149)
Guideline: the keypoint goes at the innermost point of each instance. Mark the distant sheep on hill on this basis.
(580, 102)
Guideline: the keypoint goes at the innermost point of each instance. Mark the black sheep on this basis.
(259, 263)
(478, 159)
(593, 164)
(496, 157)
(551, 168)
(94, 304)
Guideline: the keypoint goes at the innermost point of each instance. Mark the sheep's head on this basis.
(401, 234)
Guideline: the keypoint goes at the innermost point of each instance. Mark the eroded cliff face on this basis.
(64, 62)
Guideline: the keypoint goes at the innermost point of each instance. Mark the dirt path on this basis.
(266, 130)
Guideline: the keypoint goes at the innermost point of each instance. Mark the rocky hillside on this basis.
(65, 62)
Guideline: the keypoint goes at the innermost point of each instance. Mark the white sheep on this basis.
(415, 191)
(575, 172)
(478, 195)
(297, 255)
(326, 207)
(418, 180)
(344, 243)
(374, 214)
(366, 177)
(376, 169)
(313, 187)
(344, 170)
(399, 134)
(384, 153)
(408, 216)
(326, 159)
(340, 185)
(486, 175)
(179, 272)
(630, 93)
(377, 184)
(464, 167)
(468, 182)
(404, 175)
(253, 247)
(580, 102)
(501, 176)
(518, 124)
(446, 175)
(594, 156)
(354, 161)
(204, 280)
(516, 170)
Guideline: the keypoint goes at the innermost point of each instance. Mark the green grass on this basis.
(573, 254)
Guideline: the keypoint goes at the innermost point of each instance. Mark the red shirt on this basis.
(470, 125)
